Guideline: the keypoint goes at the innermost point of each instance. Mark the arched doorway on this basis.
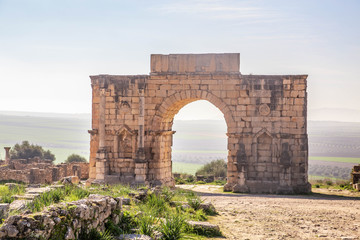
(160, 170)
(200, 137)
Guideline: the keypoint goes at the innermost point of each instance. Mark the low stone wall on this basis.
(14, 175)
(65, 220)
(35, 171)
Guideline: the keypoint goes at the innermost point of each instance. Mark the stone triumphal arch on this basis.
(132, 117)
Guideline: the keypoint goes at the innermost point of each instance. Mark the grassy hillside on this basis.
(334, 147)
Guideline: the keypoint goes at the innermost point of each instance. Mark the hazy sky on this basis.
(49, 48)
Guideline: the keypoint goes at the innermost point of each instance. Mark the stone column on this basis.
(140, 161)
(7, 155)
(101, 163)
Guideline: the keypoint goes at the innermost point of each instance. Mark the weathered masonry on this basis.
(132, 119)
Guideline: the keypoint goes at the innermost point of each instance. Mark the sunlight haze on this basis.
(49, 48)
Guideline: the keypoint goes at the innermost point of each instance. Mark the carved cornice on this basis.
(123, 129)
(160, 133)
(93, 132)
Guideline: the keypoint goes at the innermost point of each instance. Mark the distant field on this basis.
(314, 178)
(61, 135)
(189, 168)
(334, 147)
(336, 159)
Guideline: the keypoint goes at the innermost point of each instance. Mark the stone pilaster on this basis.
(101, 155)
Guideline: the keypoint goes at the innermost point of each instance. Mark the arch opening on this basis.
(199, 139)
(201, 136)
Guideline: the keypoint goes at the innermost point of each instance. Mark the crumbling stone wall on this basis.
(132, 119)
(65, 220)
(38, 171)
(14, 175)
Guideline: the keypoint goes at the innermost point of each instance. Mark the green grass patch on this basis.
(315, 177)
(336, 159)
(189, 168)
(6, 194)
(68, 193)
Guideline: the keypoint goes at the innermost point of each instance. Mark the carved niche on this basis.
(263, 147)
(124, 143)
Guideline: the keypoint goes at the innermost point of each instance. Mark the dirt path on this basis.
(321, 215)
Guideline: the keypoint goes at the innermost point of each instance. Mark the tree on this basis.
(75, 158)
(25, 150)
(217, 168)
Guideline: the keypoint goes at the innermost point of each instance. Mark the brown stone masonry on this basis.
(132, 119)
(36, 170)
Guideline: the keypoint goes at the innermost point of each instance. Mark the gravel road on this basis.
(321, 215)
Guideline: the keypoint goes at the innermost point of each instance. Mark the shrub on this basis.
(75, 158)
(167, 194)
(146, 224)
(194, 202)
(112, 228)
(220, 182)
(329, 182)
(25, 150)
(94, 234)
(200, 182)
(197, 215)
(190, 179)
(179, 181)
(127, 222)
(173, 227)
(217, 168)
(156, 204)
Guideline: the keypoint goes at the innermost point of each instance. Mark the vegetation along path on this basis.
(321, 215)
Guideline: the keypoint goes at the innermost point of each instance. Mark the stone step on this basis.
(19, 204)
(37, 190)
(26, 196)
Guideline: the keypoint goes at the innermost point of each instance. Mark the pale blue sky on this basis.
(49, 48)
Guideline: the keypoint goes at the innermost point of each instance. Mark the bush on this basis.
(173, 227)
(179, 181)
(146, 224)
(94, 234)
(217, 168)
(329, 182)
(75, 158)
(200, 182)
(194, 202)
(127, 222)
(25, 150)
